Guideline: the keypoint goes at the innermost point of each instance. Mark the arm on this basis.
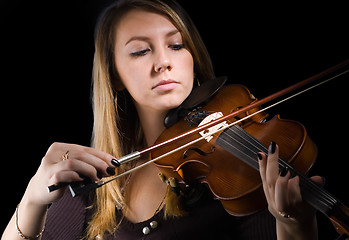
(53, 169)
(30, 220)
(295, 219)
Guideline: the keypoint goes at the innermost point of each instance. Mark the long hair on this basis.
(116, 128)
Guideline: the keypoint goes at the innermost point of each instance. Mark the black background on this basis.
(46, 61)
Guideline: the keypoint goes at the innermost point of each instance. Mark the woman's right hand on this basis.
(81, 161)
(54, 168)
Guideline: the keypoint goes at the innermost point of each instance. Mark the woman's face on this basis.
(152, 62)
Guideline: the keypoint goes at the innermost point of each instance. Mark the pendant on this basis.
(152, 224)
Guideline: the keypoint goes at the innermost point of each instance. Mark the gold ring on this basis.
(65, 156)
(285, 215)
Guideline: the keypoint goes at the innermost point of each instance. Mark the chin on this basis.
(171, 99)
(170, 103)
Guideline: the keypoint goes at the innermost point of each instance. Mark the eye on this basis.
(176, 47)
(140, 53)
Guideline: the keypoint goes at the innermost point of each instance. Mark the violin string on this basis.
(177, 149)
(243, 145)
(316, 196)
(101, 183)
(155, 159)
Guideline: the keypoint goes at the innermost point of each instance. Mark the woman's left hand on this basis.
(283, 194)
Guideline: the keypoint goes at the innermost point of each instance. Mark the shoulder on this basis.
(66, 218)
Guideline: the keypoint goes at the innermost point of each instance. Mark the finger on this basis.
(272, 167)
(65, 177)
(101, 155)
(262, 160)
(320, 181)
(85, 155)
(281, 193)
(300, 209)
(262, 164)
(96, 158)
(80, 167)
(57, 150)
(295, 196)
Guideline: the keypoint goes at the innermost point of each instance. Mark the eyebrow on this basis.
(144, 38)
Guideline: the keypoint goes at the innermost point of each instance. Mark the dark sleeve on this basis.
(66, 218)
(261, 225)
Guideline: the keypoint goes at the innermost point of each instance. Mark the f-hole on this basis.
(197, 150)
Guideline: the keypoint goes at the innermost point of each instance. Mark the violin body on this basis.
(235, 183)
(226, 160)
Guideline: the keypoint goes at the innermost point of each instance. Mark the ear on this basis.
(114, 77)
(118, 85)
(116, 80)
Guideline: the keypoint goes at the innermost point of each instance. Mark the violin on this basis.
(213, 138)
(226, 161)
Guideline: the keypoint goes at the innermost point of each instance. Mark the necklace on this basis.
(153, 224)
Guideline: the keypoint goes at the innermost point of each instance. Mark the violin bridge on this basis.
(208, 132)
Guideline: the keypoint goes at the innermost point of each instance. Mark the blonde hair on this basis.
(116, 125)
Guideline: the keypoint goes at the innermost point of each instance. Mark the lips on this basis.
(166, 84)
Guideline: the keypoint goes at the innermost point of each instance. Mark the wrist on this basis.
(30, 217)
(19, 229)
(36, 195)
(297, 230)
(32, 207)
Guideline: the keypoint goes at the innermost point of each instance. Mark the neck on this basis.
(152, 123)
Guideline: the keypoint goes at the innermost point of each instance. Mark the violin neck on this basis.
(245, 147)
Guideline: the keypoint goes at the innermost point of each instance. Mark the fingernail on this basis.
(99, 176)
(272, 147)
(259, 156)
(110, 171)
(284, 171)
(115, 162)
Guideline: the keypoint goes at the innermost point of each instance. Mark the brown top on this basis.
(66, 220)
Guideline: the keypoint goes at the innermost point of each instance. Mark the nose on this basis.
(162, 62)
(162, 67)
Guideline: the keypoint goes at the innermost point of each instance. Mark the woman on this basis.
(148, 58)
